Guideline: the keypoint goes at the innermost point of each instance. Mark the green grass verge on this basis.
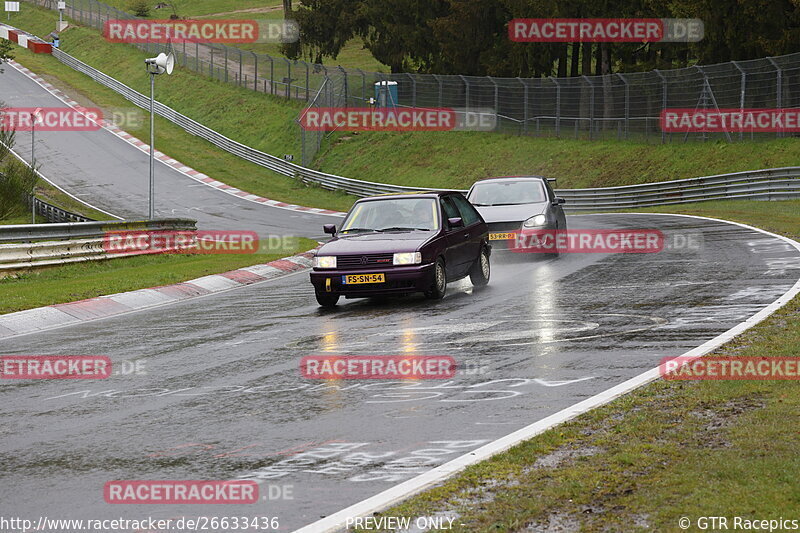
(457, 159)
(669, 450)
(79, 281)
(264, 122)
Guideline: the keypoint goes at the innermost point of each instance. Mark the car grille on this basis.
(364, 261)
(497, 227)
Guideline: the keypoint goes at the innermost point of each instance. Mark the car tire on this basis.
(481, 270)
(439, 286)
(327, 299)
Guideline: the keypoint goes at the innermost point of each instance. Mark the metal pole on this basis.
(627, 103)
(778, 89)
(152, 143)
(33, 162)
(741, 96)
(591, 106)
(558, 107)
(663, 101)
(524, 106)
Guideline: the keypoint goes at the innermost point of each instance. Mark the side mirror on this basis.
(559, 201)
(329, 228)
(455, 222)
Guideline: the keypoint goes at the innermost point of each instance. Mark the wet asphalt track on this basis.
(223, 397)
(107, 172)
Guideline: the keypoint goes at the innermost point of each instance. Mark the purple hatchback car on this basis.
(400, 244)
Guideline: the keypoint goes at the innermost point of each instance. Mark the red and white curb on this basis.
(58, 315)
(167, 160)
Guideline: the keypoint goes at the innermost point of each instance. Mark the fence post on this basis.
(466, 87)
(255, 73)
(211, 68)
(308, 80)
(271, 75)
(413, 89)
(741, 95)
(363, 86)
(344, 73)
(663, 101)
(496, 100)
(778, 89)
(440, 89)
(288, 78)
(627, 103)
(225, 48)
(524, 106)
(591, 106)
(241, 61)
(558, 106)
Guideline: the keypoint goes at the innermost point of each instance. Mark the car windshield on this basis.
(397, 214)
(505, 192)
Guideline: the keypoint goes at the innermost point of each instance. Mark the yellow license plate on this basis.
(355, 279)
(501, 236)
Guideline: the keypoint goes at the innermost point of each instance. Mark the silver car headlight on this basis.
(538, 220)
(324, 261)
(407, 258)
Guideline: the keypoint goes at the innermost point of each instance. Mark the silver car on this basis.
(514, 204)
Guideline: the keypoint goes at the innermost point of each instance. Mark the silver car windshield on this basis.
(397, 214)
(502, 192)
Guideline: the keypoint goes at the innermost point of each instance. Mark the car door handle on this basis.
(466, 235)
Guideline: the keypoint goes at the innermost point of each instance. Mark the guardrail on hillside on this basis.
(53, 213)
(736, 185)
(37, 245)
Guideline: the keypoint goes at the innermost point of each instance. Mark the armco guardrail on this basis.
(88, 230)
(38, 245)
(773, 184)
(53, 213)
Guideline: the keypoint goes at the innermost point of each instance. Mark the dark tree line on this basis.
(470, 37)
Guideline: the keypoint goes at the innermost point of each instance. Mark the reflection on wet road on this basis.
(223, 398)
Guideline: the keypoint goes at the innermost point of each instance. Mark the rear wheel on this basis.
(327, 299)
(439, 286)
(479, 275)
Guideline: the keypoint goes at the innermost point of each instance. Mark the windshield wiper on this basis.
(357, 229)
(401, 228)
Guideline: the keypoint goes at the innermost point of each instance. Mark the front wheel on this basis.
(326, 299)
(479, 275)
(439, 282)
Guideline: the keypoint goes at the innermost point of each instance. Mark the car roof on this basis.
(537, 178)
(409, 194)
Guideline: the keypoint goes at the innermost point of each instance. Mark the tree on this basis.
(17, 180)
(5, 52)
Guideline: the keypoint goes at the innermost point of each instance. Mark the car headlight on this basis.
(325, 261)
(538, 220)
(407, 258)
